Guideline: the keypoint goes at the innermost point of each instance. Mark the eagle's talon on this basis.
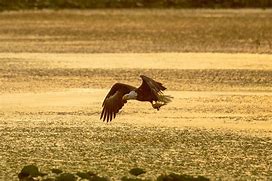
(157, 105)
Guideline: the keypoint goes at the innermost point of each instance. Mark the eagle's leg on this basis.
(157, 105)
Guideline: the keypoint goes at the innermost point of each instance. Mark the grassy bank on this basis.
(84, 4)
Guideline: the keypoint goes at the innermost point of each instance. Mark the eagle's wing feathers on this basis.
(113, 102)
(156, 89)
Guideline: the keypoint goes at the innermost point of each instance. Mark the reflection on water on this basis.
(218, 125)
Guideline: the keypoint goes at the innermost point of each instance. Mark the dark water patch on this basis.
(31, 173)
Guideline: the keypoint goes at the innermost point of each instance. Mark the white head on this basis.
(130, 95)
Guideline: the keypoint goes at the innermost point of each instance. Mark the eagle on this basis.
(150, 91)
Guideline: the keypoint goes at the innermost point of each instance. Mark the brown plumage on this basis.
(150, 91)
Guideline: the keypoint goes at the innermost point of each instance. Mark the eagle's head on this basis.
(130, 95)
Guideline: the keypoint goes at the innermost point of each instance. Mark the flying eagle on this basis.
(150, 91)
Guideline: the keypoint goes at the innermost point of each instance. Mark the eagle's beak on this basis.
(125, 97)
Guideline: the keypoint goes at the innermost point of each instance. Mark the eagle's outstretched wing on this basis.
(113, 102)
(156, 86)
(155, 90)
(149, 85)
